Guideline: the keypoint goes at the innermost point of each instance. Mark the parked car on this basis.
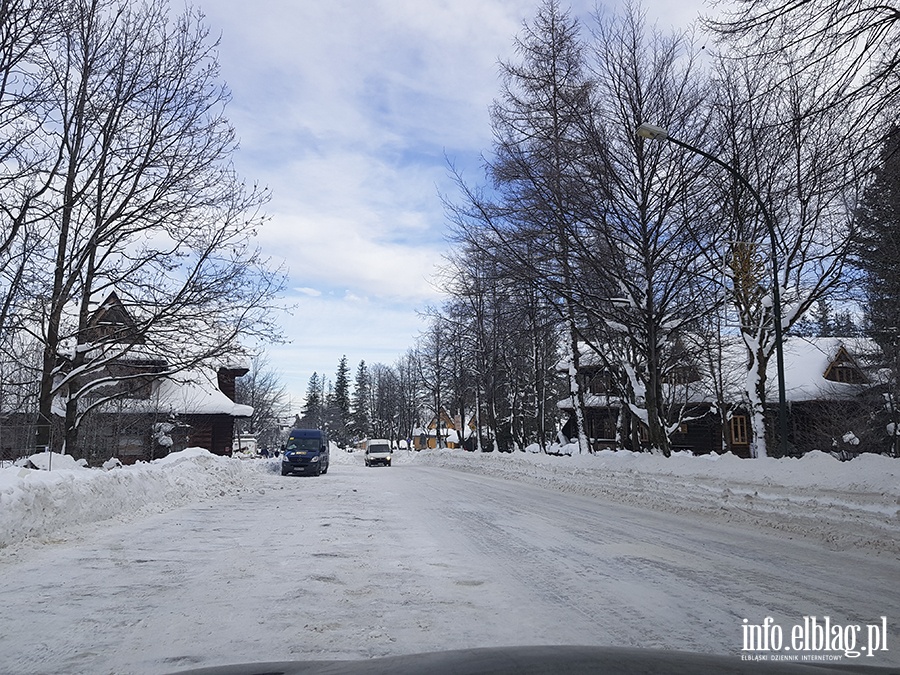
(378, 451)
(306, 451)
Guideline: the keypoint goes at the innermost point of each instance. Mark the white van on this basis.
(378, 451)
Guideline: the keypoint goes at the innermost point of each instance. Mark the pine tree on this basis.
(844, 325)
(821, 315)
(362, 414)
(312, 411)
(878, 256)
(340, 404)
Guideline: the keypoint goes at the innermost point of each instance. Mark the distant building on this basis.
(453, 433)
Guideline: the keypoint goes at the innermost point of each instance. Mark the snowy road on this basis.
(369, 562)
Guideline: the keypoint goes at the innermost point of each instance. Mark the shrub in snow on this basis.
(563, 449)
(161, 431)
(112, 463)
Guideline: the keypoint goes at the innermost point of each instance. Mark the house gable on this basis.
(447, 422)
(844, 368)
(112, 322)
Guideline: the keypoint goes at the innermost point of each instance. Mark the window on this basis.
(600, 383)
(681, 375)
(602, 426)
(739, 430)
(845, 373)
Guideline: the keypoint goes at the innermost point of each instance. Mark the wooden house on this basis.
(825, 380)
(452, 431)
(151, 410)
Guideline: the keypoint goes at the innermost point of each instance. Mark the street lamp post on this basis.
(652, 132)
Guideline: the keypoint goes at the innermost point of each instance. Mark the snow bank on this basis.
(845, 505)
(42, 505)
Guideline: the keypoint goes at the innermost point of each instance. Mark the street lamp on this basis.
(652, 132)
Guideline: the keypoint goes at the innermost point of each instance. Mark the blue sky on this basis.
(348, 110)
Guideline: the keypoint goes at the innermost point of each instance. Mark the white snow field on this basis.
(199, 560)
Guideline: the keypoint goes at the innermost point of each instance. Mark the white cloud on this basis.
(311, 292)
(346, 109)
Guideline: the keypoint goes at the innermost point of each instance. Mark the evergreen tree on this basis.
(312, 411)
(844, 325)
(340, 404)
(362, 414)
(878, 253)
(822, 318)
(878, 256)
(823, 321)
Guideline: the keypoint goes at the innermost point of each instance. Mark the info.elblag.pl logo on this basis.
(813, 639)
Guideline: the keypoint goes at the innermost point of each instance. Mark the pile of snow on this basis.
(37, 504)
(47, 461)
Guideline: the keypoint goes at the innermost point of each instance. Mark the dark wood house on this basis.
(147, 410)
(825, 383)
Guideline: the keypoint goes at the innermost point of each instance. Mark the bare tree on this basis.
(647, 222)
(807, 164)
(605, 229)
(856, 41)
(263, 390)
(525, 225)
(506, 346)
(452, 319)
(410, 406)
(432, 354)
(145, 204)
(28, 163)
(386, 403)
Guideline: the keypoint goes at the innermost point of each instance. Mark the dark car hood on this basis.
(547, 660)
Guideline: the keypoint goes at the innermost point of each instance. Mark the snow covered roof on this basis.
(806, 362)
(194, 392)
(197, 392)
(237, 363)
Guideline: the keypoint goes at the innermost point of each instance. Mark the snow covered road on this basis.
(369, 562)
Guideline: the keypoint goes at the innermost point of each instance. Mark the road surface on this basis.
(366, 562)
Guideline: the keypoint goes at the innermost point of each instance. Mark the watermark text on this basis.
(826, 639)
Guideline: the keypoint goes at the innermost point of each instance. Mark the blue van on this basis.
(306, 452)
